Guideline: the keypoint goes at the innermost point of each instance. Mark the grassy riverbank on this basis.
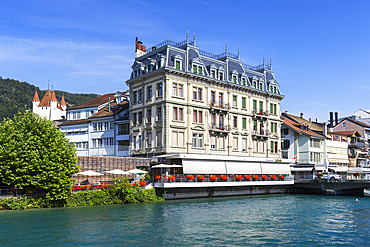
(120, 192)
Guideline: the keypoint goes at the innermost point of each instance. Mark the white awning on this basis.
(84, 129)
(243, 167)
(340, 161)
(301, 169)
(339, 169)
(270, 168)
(203, 167)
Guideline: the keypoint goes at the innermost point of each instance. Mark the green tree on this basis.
(35, 153)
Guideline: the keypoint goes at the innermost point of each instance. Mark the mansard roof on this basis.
(170, 49)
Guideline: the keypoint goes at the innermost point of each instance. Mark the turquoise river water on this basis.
(292, 220)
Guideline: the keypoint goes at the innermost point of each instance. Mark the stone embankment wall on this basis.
(103, 164)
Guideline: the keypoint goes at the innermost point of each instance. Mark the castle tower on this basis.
(35, 102)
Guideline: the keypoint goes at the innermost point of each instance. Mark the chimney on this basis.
(301, 114)
(325, 129)
(139, 48)
(336, 118)
(310, 119)
(331, 119)
(286, 112)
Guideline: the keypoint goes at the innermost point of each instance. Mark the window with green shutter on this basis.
(272, 128)
(271, 108)
(244, 123)
(255, 125)
(255, 104)
(243, 103)
(234, 100)
(194, 69)
(254, 84)
(244, 81)
(234, 79)
(261, 106)
(178, 65)
(271, 88)
(275, 109)
(260, 86)
(274, 89)
(200, 71)
(272, 146)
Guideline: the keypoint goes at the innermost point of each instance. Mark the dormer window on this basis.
(260, 86)
(234, 75)
(160, 61)
(243, 81)
(213, 73)
(234, 79)
(177, 62)
(221, 76)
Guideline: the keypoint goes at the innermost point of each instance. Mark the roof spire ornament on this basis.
(194, 37)
(226, 48)
(169, 37)
(263, 61)
(238, 52)
(270, 63)
(187, 34)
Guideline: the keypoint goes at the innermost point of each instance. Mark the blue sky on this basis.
(320, 50)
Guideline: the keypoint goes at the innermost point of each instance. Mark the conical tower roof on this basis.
(53, 97)
(63, 102)
(36, 97)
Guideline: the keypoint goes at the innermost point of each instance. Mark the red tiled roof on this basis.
(290, 123)
(104, 112)
(94, 102)
(53, 98)
(73, 122)
(347, 133)
(36, 97)
(62, 102)
(312, 125)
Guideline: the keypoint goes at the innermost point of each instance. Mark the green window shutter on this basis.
(244, 123)
(254, 104)
(178, 65)
(254, 84)
(261, 106)
(272, 146)
(243, 103)
(234, 79)
(260, 86)
(274, 109)
(255, 124)
(274, 89)
(271, 89)
(271, 108)
(194, 69)
(200, 71)
(272, 127)
(243, 81)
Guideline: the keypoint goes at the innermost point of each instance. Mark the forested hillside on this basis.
(17, 96)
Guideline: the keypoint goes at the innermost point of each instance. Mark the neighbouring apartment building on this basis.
(186, 100)
(97, 126)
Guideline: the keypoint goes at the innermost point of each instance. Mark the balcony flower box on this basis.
(190, 177)
(171, 178)
(273, 177)
(213, 178)
(238, 177)
(255, 177)
(157, 177)
(247, 177)
(264, 177)
(200, 177)
(281, 177)
(223, 177)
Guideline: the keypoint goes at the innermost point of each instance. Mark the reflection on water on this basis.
(270, 220)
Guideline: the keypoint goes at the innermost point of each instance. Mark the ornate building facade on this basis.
(186, 100)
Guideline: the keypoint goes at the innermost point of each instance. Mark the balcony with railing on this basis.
(356, 144)
(215, 105)
(261, 133)
(169, 42)
(260, 113)
(219, 128)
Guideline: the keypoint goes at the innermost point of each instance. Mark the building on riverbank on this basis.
(186, 100)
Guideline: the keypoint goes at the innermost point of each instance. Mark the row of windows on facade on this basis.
(123, 129)
(148, 68)
(80, 114)
(198, 96)
(197, 142)
(217, 74)
(123, 145)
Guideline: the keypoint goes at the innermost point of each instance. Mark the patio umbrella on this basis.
(118, 172)
(137, 171)
(90, 173)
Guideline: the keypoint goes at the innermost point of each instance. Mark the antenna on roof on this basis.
(51, 87)
(263, 61)
(48, 84)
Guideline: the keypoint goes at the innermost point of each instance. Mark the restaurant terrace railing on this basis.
(220, 178)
